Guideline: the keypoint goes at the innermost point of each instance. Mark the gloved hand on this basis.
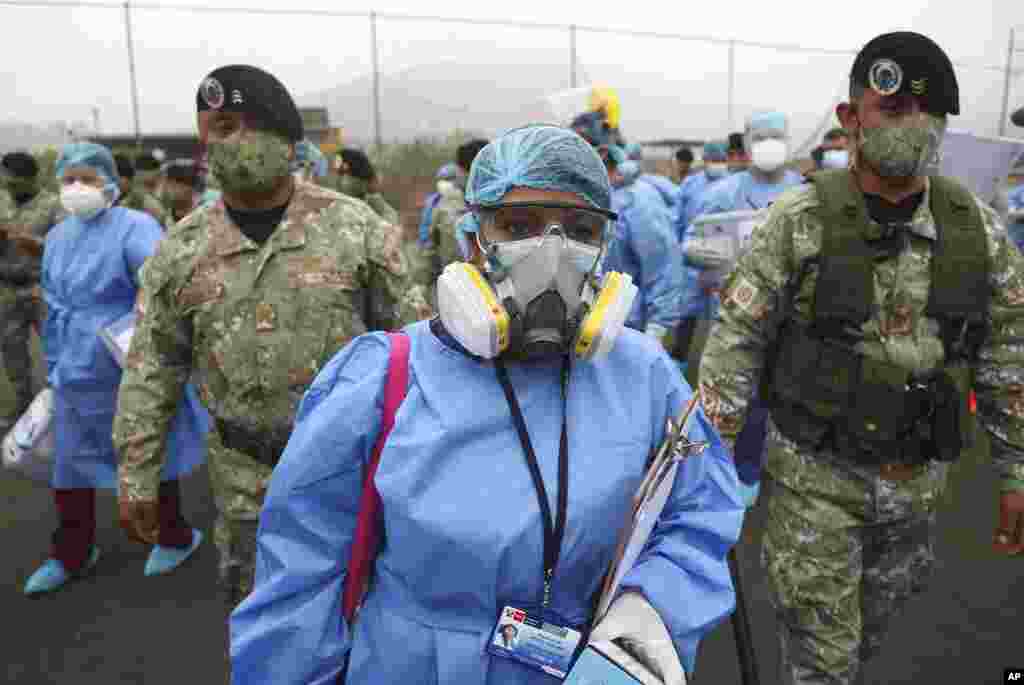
(140, 520)
(1009, 536)
(634, 627)
(749, 493)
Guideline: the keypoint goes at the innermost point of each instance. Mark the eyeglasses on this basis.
(520, 221)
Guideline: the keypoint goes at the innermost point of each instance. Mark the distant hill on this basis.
(435, 99)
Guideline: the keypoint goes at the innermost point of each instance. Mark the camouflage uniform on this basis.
(19, 275)
(139, 200)
(846, 545)
(254, 325)
(449, 210)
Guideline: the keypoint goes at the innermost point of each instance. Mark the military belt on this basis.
(258, 445)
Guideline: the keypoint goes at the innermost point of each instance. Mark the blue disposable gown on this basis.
(89, 280)
(734, 192)
(743, 191)
(643, 246)
(1016, 204)
(668, 190)
(463, 532)
(427, 218)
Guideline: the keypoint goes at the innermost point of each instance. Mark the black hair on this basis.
(185, 171)
(684, 154)
(358, 164)
(21, 164)
(125, 166)
(467, 152)
(735, 142)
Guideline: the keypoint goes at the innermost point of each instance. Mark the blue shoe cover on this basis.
(166, 559)
(52, 574)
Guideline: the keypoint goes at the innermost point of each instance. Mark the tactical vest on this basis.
(826, 395)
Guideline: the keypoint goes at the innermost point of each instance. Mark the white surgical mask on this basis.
(769, 155)
(835, 159)
(716, 169)
(83, 201)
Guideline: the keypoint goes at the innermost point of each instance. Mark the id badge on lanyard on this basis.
(530, 639)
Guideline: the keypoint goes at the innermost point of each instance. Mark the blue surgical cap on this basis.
(715, 152)
(540, 156)
(634, 151)
(447, 172)
(92, 155)
(630, 170)
(767, 121)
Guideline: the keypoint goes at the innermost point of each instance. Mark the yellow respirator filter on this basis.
(607, 317)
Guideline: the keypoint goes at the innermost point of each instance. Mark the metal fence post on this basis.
(732, 79)
(572, 55)
(131, 71)
(1006, 85)
(378, 140)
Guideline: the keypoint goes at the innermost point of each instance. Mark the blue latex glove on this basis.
(749, 493)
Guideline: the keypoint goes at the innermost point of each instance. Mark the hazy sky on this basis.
(59, 63)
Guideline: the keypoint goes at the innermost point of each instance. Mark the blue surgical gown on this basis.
(462, 528)
(737, 191)
(744, 191)
(1016, 204)
(89, 280)
(427, 218)
(643, 246)
(668, 190)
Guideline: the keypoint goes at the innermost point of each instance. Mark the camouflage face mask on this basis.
(910, 149)
(354, 187)
(254, 165)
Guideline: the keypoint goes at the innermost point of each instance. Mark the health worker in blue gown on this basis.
(766, 138)
(510, 468)
(90, 278)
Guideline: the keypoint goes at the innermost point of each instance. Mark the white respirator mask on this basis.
(83, 201)
(537, 298)
(769, 155)
(835, 159)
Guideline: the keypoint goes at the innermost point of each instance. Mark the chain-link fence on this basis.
(134, 67)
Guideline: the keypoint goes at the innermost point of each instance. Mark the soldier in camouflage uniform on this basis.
(869, 305)
(443, 238)
(252, 296)
(134, 195)
(31, 213)
(357, 178)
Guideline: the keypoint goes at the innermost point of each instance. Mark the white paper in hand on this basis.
(118, 337)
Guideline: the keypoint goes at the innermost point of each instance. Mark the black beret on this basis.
(21, 164)
(248, 90)
(911, 64)
(146, 162)
(1018, 117)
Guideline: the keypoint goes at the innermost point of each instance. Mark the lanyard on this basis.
(554, 530)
